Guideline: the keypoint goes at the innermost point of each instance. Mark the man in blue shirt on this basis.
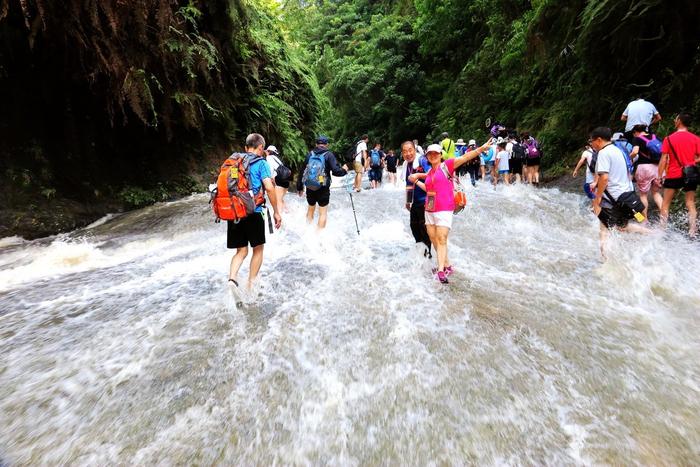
(415, 196)
(251, 229)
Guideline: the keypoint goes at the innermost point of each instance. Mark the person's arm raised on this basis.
(469, 155)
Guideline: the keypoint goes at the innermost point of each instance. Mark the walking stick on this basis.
(352, 203)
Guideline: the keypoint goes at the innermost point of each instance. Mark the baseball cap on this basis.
(434, 148)
(322, 139)
(617, 136)
(272, 149)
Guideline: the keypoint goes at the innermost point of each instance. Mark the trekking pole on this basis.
(354, 214)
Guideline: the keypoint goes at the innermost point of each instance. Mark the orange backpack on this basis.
(233, 198)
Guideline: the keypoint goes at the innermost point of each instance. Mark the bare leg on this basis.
(310, 214)
(656, 195)
(255, 263)
(645, 202)
(281, 191)
(692, 213)
(441, 234)
(483, 172)
(506, 177)
(636, 228)
(669, 193)
(322, 216)
(358, 181)
(604, 233)
(236, 262)
(536, 169)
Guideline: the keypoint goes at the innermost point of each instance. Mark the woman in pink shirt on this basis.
(440, 202)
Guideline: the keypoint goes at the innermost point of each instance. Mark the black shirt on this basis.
(643, 150)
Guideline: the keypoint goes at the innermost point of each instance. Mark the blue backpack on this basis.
(626, 149)
(314, 176)
(654, 147)
(375, 159)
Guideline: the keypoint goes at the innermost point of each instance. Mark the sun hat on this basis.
(460, 142)
(472, 142)
(434, 148)
(322, 139)
(272, 149)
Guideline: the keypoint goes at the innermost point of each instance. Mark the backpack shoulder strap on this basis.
(673, 151)
(443, 167)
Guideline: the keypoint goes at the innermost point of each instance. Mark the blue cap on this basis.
(322, 139)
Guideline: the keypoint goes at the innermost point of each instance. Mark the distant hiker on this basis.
(518, 156)
(440, 200)
(419, 149)
(679, 169)
(391, 161)
(376, 165)
(359, 163)
(534, 153)
(588, 158)
(639, 112)
(502, 158)
(415, 195)
(616, 201)
(250, 230)
(448, 146)
(647, 151)
(460, 149)
(315, 176)
(281, 175)
(472, 167)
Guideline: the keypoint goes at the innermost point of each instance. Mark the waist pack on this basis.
(458, 190)
(691, 174)
(629, 204)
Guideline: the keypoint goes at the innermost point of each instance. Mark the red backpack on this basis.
(233, 198)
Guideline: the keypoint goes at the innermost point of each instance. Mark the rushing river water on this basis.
(120, 344)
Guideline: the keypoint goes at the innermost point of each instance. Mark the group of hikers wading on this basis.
(619, 168)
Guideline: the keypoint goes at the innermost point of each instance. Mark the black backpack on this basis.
(519, 152)
(350, 154)
(594, 160)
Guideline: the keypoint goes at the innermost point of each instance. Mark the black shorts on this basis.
(516, 166)
(613, 217)
(678, 183)
(322, 196)
(391, 169)
(532, 161)
(248, 230)
(375, 174)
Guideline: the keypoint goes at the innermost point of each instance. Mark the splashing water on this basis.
(119, 343)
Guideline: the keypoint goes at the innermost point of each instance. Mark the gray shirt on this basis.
(612, 162)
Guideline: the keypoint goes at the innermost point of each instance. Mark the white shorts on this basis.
(441, 218)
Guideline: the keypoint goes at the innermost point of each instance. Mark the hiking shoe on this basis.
(442, 277)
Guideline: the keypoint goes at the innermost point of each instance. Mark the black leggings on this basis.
(418, 224)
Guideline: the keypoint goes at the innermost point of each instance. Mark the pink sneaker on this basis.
(449, 271)
(442, 277)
